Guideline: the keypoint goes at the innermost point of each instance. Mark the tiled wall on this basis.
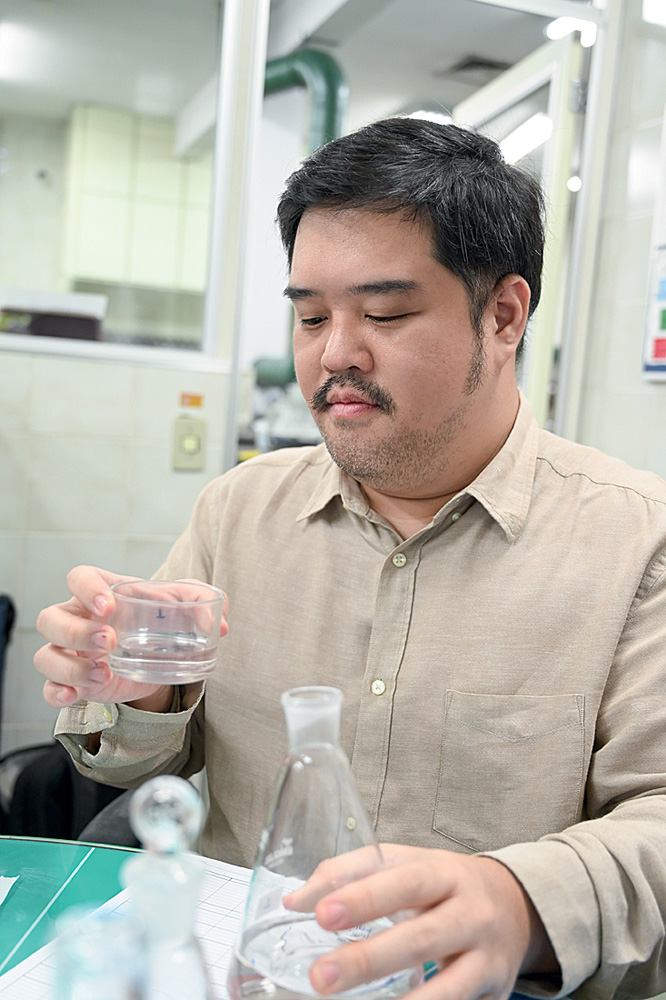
(85, 454)
(621, 413)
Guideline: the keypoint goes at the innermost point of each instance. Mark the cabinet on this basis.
(134, 213)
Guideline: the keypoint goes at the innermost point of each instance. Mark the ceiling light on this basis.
(574, 183)
(527, 137)
(432, 116)
(563, 26)
(654, 11)
(23, 53)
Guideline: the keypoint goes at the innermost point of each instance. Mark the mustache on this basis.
(373, 393)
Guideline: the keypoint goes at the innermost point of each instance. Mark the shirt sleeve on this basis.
(600, 885)
(136, 745)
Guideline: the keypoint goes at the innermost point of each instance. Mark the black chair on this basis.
(43, 795)
(7, 618)
(111, 825)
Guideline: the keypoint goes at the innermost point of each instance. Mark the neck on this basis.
(408, 511)
(406, 515)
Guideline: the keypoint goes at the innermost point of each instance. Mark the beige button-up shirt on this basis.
(504, 673)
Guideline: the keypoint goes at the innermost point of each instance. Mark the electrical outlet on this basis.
(189, 444)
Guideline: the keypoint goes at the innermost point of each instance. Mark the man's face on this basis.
(384, 348)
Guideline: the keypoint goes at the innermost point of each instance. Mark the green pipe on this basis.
(328, 91)
(321, 75)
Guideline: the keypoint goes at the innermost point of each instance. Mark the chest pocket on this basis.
(511, 767)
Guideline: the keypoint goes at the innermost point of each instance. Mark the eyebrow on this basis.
(369, 288)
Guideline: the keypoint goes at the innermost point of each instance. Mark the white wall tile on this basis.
(643, 167)
(161, 500)
(616, 423)
(14, 463)
(48, 559)
(77, 484)
(11, 563)
(157, 394)
(615, 360)
(15, 389)
(625, 255)
(144, 556)
(632, 171)
(81, 397)
(655, 450)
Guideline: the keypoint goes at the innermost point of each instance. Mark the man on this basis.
(491, 599)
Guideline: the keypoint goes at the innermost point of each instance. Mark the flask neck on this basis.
(313, 716)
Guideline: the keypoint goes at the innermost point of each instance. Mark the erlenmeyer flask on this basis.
(316, 814)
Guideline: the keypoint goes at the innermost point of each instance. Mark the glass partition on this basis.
(106, 139)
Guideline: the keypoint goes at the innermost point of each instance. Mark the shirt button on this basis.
(456, 516)
(378, 687)
(399, 559)
(107, 714)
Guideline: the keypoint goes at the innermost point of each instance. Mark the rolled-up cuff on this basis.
(134, 744)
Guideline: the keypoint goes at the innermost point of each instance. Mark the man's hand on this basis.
(79, 638)
(468, 915)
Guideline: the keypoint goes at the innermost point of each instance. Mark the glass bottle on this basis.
(99, 954)
(166, 814)
(315, 814)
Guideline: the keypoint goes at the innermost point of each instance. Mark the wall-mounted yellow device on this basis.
(189, 443)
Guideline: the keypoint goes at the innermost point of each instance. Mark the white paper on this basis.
(221, 905)
(6, 882)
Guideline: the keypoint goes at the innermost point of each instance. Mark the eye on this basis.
(311, 321)
(386, 319)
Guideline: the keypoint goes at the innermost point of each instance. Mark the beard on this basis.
(405, 458)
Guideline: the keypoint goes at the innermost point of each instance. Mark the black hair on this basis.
(486, 215)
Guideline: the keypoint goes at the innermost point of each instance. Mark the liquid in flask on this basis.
(316, 814)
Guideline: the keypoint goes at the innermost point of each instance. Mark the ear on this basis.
(508, 310)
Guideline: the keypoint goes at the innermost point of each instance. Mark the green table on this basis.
(53, 876)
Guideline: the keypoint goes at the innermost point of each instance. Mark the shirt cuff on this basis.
(557, 882)
(130, 737)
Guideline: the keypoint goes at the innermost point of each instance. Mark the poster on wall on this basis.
(654, 350)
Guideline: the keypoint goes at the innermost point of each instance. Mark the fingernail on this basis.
(100, 640)
(97, 673)
(101, 603)
(333, 914)
(61, 696)
(327, 973)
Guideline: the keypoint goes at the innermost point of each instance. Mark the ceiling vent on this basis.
(475, 70)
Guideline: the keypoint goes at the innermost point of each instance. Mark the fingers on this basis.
(345, 868)
(59, 695)
(92, 586)
(224, 626)
(68, 625)
(471, 917)
(415, 885)
(399, 946)
(466, 969)
(69, 675)
(332, 874)
(184, 605)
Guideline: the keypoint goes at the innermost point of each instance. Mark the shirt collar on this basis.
(504, 487)
(334, 482)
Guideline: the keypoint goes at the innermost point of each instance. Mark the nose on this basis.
(346, 347)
